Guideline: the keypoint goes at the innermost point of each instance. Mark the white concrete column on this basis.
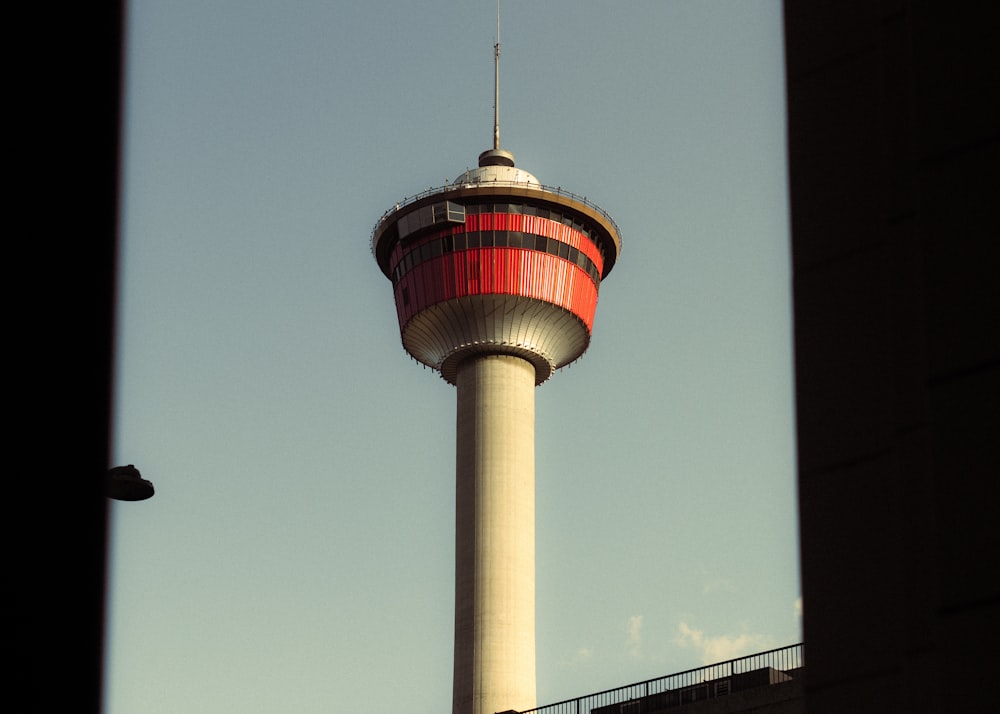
(495, 537)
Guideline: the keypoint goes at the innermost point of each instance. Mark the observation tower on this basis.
(495, 278)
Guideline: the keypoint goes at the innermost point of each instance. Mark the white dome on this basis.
(505, 174)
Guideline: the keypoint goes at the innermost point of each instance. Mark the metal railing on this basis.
(489, 184)
(782, 658)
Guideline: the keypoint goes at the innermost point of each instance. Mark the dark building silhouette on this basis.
(892, 137)
(893, 161)
(62, 262)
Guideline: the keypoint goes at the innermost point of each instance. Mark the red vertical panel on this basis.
(550, 279)
(580, 303)
(405, 286)
(452, 259)
(537, 276)
(434, 291)
(514, 263)
(416, 289)
(425, 285)
(472, 265)
(571, 293)
(446, 277)
(503, 271)
(435, 282)
(427, 280)
(485, 271)
(499, 273)
(561, 267)
(515, 271)
(447, 280)
(480, 267)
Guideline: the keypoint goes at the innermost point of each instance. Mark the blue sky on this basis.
(298, 553)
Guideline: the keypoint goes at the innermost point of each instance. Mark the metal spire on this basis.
(496, 85)
(496, 156)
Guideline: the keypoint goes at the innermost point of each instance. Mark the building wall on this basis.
(784, 698)
(892, 136)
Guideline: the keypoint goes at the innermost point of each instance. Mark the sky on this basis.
(298, 553)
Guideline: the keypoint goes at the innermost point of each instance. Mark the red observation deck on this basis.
(496, 263)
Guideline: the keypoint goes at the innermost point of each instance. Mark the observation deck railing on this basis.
(491, 184)
(783, 659)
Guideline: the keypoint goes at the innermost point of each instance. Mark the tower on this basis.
(495, 279)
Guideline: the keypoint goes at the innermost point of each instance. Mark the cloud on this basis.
(635, 636)
(721, 647)
(797, 607)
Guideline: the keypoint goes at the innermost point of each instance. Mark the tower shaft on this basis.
(495, 536)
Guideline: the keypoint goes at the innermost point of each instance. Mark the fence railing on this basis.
(782, 658)
(487, 185)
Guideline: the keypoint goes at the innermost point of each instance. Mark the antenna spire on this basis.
(496, 156)
(496, 85)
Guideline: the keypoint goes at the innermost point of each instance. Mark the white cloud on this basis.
(797, 607)
(635, 636)
(721, 647)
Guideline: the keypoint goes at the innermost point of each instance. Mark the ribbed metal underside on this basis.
(444, 334)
